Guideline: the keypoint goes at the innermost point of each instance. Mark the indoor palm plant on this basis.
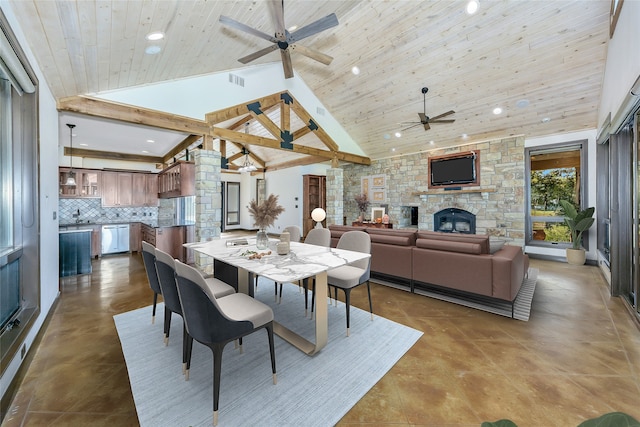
(264, 215)
(578, 222)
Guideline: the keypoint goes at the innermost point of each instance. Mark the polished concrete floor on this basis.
(577, 358)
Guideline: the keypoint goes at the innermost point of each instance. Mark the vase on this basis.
(262, 239)
(576, 256)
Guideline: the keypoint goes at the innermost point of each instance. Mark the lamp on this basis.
(71, 176)
(318, 215)
(247, 166)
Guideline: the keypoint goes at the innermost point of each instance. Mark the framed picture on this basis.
(378, 196)
(378, 181)
(377, 213)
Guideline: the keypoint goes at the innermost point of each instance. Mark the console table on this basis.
(371, 224)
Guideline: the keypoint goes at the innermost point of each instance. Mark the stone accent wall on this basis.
(208, 203)
(334, 193)
(499, 211)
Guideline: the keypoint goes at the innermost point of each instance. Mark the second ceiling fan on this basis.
(426, 120)
(283, 39)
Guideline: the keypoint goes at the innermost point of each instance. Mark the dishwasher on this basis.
(115, 238)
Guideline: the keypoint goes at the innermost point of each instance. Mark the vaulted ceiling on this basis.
(541, 61)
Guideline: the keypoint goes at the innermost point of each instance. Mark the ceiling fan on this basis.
(283, 39)
(426, 120)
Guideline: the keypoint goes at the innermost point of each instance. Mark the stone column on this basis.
(208, 203)
(334, 195)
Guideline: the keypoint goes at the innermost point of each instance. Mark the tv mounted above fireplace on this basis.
(455, 170)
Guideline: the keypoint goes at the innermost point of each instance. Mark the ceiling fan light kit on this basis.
(426, 120)
(283, 39)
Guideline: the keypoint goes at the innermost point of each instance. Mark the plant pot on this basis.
(576, 256)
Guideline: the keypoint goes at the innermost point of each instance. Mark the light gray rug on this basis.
(311, 391)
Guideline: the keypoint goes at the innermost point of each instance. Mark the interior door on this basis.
(232, 203)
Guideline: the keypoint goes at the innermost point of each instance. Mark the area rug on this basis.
(311, 391)
(520, 309)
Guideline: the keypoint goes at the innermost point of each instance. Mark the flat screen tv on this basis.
(453, 170)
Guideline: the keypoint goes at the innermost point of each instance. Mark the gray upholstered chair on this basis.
(215, 322)
(318, 237)
(349, 276)
(149, 259)
(295, 233)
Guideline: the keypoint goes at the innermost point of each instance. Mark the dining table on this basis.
(302, 261)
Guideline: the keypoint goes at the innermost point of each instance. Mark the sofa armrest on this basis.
(508, 272)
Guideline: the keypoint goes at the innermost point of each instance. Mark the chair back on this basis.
(165, 266)
(203, 317)
(357, 241)
(319, 237)
(295, 232)
(149, 259)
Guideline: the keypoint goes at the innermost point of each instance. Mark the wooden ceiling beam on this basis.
(318, 131)
(229, 113)
(97, 154)
(304, 161)
(132, 114)
(183, 145)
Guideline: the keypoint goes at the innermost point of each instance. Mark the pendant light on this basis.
(71, 176)
(248, 166)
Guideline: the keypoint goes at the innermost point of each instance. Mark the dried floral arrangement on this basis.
(265, 213)
(363, 202)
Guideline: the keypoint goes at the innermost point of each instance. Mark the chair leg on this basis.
(347, 302)
(188, 351)
(153, 314)
(217, 367)
(185, 338)
(370, 305)
(275, 291)
(272, 351)
(280, 300)
(167, 325)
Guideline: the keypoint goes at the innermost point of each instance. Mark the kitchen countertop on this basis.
(153, 224)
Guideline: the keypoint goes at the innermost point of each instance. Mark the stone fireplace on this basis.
(454, 220)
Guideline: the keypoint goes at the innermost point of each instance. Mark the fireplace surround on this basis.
(454, 220)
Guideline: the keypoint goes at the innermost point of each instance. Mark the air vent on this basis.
(236, 80)
(320, 111)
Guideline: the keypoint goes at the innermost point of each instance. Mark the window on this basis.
(554, 173)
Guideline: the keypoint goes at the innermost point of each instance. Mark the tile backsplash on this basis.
(91, 210)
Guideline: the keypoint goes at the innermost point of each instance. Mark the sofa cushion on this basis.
(482, 240)
(450, 246)
(392, 237)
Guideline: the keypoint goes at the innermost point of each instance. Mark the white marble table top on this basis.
(302, 261)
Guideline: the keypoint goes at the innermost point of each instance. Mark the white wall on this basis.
(48, 136)
(590, 136)
(623, 61)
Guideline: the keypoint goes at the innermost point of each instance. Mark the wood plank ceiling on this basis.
(541, 61)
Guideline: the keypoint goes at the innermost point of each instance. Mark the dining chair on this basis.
(149, 260)
(318, 237)
(215, 322)
(295, 233)
(350, 276)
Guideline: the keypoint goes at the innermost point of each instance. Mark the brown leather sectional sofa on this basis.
(462, 263)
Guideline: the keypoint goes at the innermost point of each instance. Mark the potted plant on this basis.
(363, 203)
(264, 215)
(578, 222)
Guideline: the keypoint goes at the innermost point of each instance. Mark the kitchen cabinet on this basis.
(170, 240)
(313, 196)
(87, 183)
(96, 238)
(144, 189)
(75, 252)
(177, 180)
(117, 189)
(135, 237)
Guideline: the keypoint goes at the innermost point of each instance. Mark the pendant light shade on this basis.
(71, 176)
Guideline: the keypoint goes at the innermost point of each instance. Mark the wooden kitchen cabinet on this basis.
(117, 189)
(145, 189)
(177, 180)
(87, 183)
(169, 239)
(135, 237)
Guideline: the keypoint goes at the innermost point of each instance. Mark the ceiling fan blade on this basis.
(313, 28)
(423, 118)
(409, 127)
(426, 126)
(312, 53)
(286, 63)
(441, 115)
(277, 13)
(442, 121)
(225, 20)
(258, 54)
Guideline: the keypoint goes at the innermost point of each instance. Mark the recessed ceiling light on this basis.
(472, 7)
(156, 35)
(465, 136)
(497, 111)
(84, 145)
(393, 150)
(523, 103)
(546, 120)
(431, 142)
(152, 50)
(355, 70)
(145, 151)
(398, 134)
(150, 140)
